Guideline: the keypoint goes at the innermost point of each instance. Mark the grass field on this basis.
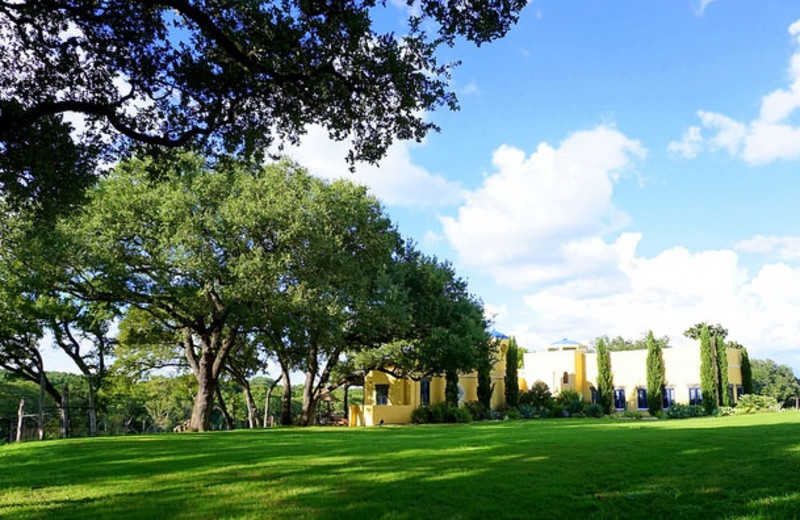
(728, 467)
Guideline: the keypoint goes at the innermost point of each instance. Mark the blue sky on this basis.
(615, 167)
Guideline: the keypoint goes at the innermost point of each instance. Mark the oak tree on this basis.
(220, 77)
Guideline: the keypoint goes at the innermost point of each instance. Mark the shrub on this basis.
(632, 414)
(571, 401)
(421, 415)
(495, 415)
(724, 411)
(682, 411)
(441, 413)
(513, 413)
(528, 412)
(477, 410)
(751, 403)
(461, 415)
(556, 410)
(594, 410)
(538, 396)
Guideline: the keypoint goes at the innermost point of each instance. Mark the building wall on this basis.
(628, 368)
(405, 394)
(559, 370)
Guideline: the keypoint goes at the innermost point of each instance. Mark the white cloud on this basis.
(397, 181)
(470, 89)
(538, 217)
(785, 248)
(431, 239)
(699, 6)
(690, 145)
(495, 312)
(670, 292)
(769, 137)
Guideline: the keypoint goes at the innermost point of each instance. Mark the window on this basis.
(619, 398)
(595, 396)
(667, 397)
(739, 391)
(425, 392)
(695, 395)
(641, 398)
(565, 378)
(382, 394)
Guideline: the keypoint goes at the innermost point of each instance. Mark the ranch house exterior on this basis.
(569, 365)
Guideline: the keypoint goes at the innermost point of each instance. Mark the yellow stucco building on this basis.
(392, 400)
(569, 365)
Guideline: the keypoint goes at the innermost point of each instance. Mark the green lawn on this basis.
(729, 467)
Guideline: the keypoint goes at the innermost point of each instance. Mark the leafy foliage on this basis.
(725, 397)
(655, 375)
(747, 372)
(773, 380)
(683, 411)
(696, 331)
(442, 412)
(605, 382)
(487, 353)
(708, 371)
(621, 344)
(538, 396)
(212, 253)
(527, 411)
(478, 410)
(749, 403)
(218, 77)
(512, 384)
(594, 410)
(571, 401)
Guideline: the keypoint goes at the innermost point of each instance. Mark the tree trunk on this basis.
(204, 400)
(252, 409)
(91, 408)
(65, 420)
(309, 400)
(65, 426)
(41, 405)
(346, 395)
(221, 402)
(20, 419)
(207, 366)
(267, 421)
(286, 399)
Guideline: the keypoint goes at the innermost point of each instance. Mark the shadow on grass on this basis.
(726, 467)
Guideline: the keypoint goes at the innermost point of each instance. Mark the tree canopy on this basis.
(774, 380)
(440, 328)
(619, 343)
(220, 77)
(696, 331)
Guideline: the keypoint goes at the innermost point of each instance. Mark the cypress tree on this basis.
(747, 373)
(485, 385)
(655, 375)
(708, 371)
(451, 387)
(722, 365)
(512, 385)
(605, 381)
